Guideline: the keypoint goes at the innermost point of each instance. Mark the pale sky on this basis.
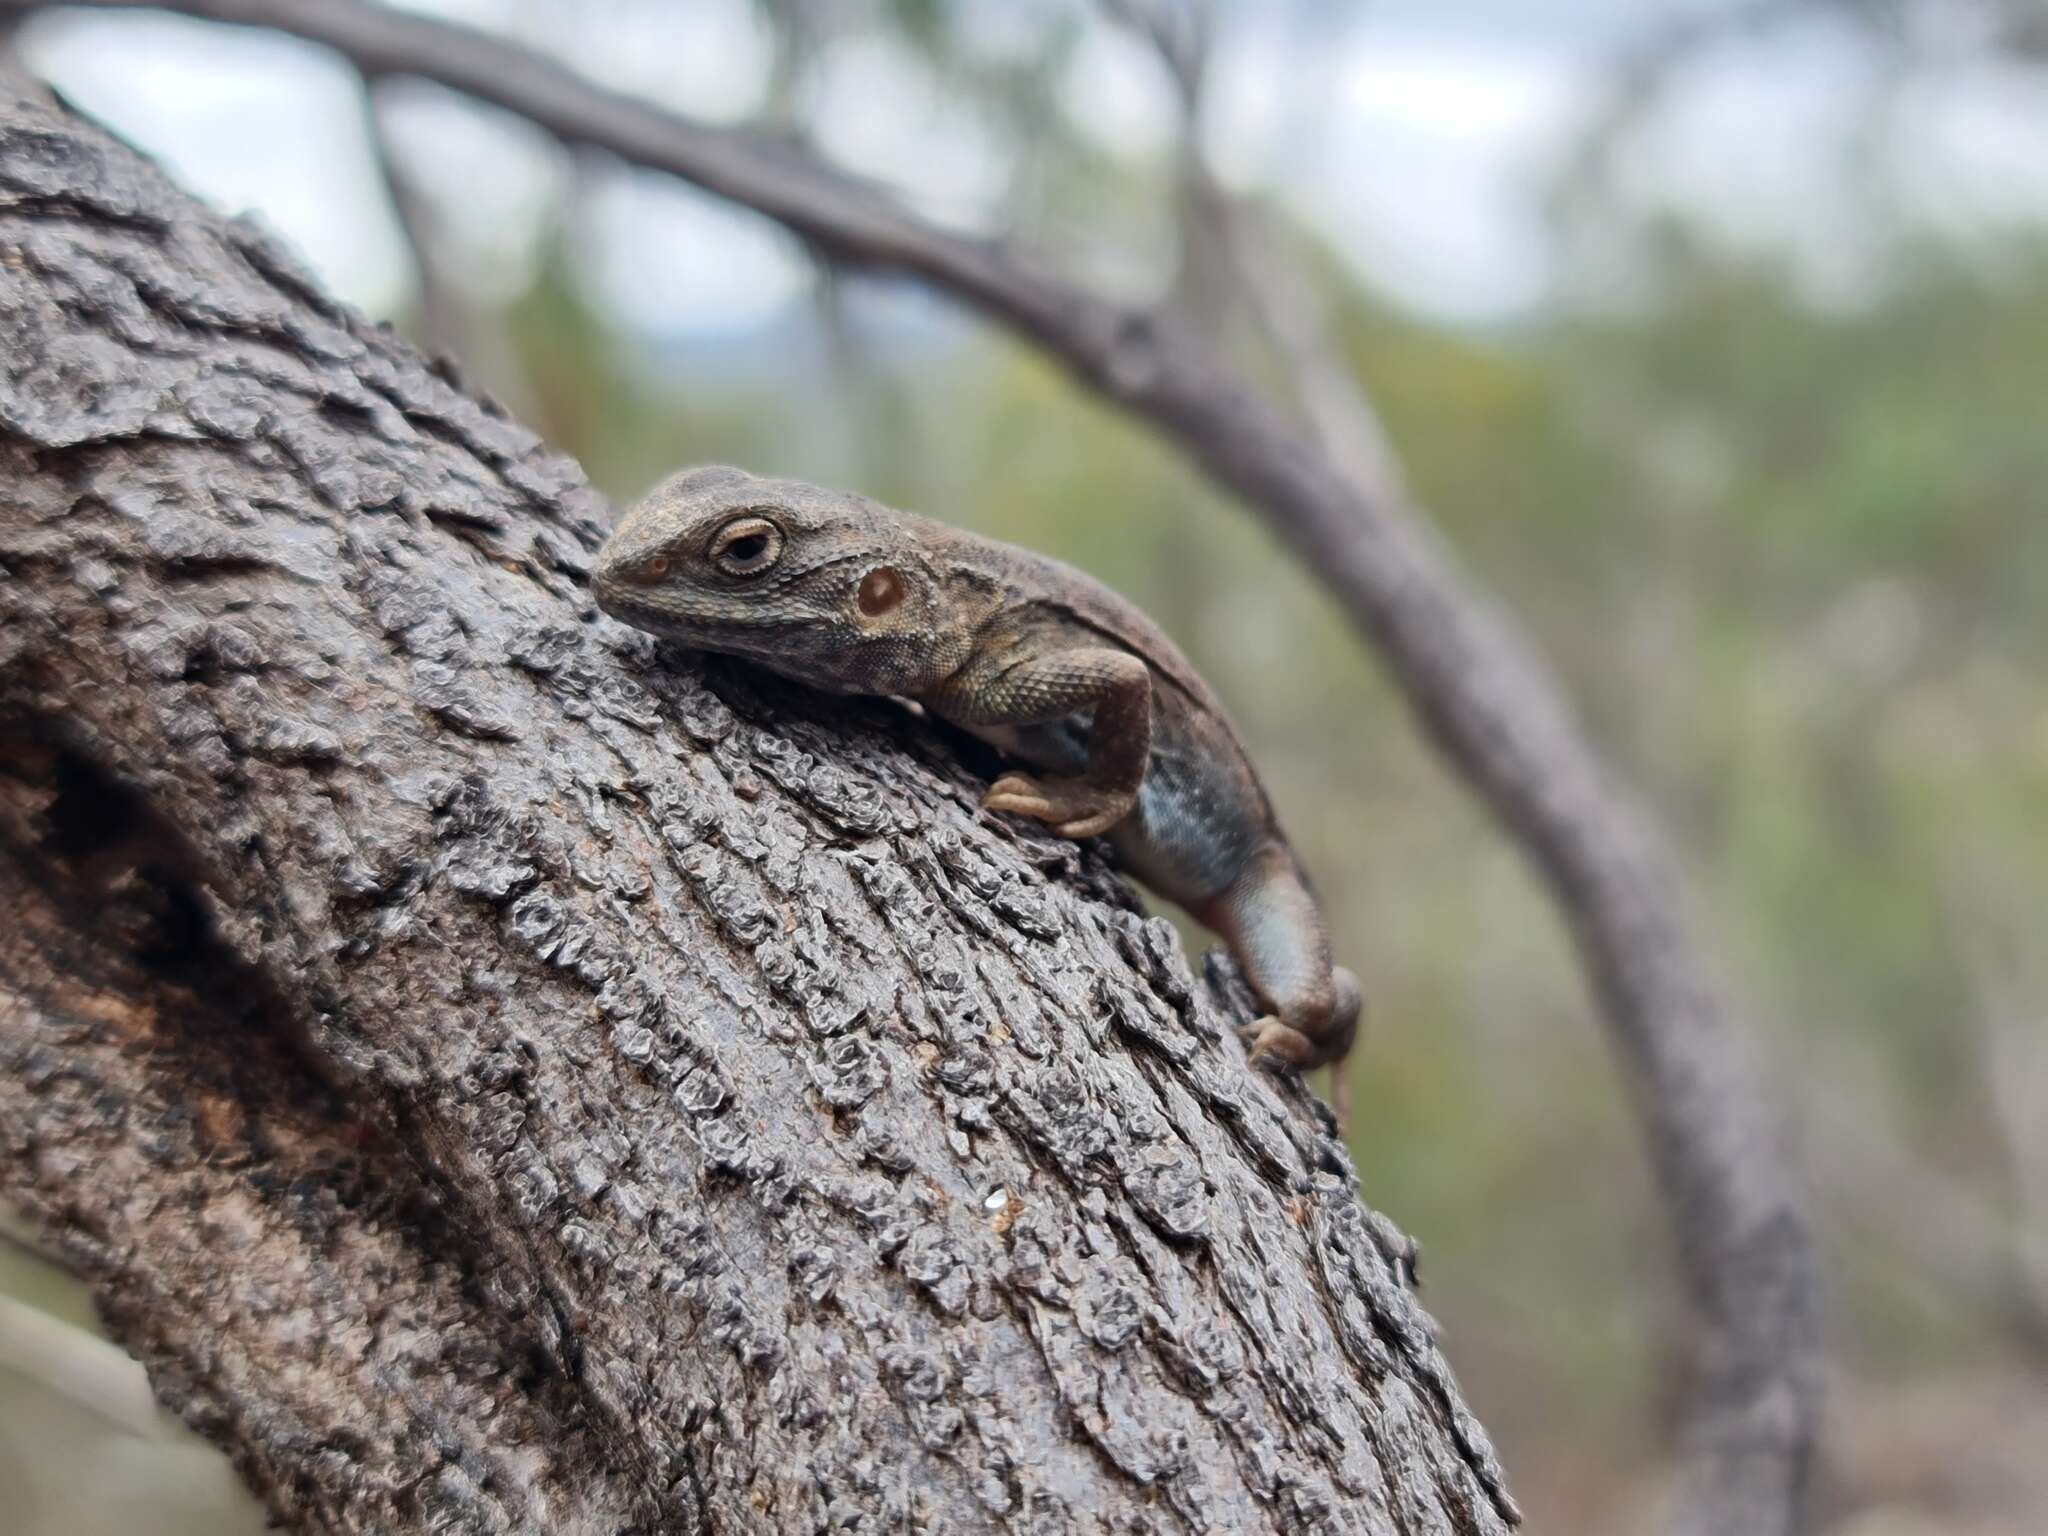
(1420, 138)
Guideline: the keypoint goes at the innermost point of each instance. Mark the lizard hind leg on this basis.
(1114, 685)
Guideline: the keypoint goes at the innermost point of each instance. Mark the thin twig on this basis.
(2012, 1035)
(1267, 282)
(444, 314)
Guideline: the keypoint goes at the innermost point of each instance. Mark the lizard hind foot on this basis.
(1071, 807)
(1275, 1044)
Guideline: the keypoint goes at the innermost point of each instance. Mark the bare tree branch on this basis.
(2012, 1044)
(1296, 321)
(1491, 706)
(870, 406)
(1208, 295)
(446, 323)
(1261, 277)
(645, 1096)
(444, 317)
(235, 1218)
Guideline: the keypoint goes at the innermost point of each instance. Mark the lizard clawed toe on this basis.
(1020, 794)
(1071, 807)
(1274, 1045)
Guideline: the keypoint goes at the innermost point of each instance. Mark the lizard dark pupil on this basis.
(748, 549)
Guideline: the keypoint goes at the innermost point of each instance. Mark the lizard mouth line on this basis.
(731, 637)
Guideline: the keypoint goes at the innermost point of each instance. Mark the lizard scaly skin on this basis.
(840, 593)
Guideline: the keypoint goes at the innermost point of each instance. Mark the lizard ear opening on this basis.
(882, 590)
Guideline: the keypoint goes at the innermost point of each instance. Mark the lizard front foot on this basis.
(1071, 807)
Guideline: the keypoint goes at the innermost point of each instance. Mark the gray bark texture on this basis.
(1750, 1386)
(501, 1076)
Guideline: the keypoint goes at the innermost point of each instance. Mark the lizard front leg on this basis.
(1115, 685)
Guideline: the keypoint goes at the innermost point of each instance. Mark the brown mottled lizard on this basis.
(840, 593)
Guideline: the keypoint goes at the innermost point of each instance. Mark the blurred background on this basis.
(1713, 335)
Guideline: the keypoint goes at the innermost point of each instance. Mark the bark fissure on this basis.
(161, 1115)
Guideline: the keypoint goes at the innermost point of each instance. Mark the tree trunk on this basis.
(501, 1076)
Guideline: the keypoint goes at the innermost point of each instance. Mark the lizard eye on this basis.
(746, 546)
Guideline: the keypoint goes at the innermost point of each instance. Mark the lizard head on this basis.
(822, 586)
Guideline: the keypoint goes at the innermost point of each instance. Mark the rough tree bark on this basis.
(498, 1076)
(1502, 722)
